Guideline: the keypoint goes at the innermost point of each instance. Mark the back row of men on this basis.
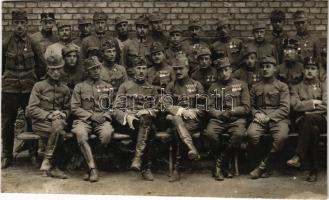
(79, 78)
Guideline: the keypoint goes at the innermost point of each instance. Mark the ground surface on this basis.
(22, 178)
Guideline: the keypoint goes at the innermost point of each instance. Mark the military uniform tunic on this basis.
(160, 76)
(205, 76)
(94, 40)
(250, 76)
(44, 40)
(277, 39)
(291, 75)
(116, 75)
(264, 49)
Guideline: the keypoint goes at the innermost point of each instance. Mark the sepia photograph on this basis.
(216, 98)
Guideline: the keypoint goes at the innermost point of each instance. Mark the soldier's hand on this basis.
(261, 117)
(50, 116)
(99, 118)
(226, 115)
(130, 120)
(189, 114)
(142, 112)
(316, 103)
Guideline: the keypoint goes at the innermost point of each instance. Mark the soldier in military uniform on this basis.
(306, 40)
(139, 46)
(100, 35)
(134, 110)
(157, 33)
(322, 58)
(89, 104)
(48, 108)
(159, 74)
(278, 34)
(262, 45)
(309, 101)
(248, 71)
(46, 36)
(270, 106)
(65, 38)
(22, 64)
(121, 29)
(175, 46)
(84, 26)
(291, 71)
(206, 74)
(193, 43)
(111, 71)
(226, 45)
(229, 108)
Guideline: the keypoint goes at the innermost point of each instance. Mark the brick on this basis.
(90, 4)
(151, 10)
(71, 10)
(165, 10)
(101, 4)
(187, 10)
(205, 4)
(267, 10)
(31, 4)
(37, 10)
(206, 16)
(275, 4)
(244, 22)
(6, 16)
(251, 16)
(119, 10)
(199, 10)
(245, 10)
(263, 4)
(107, 10)
(141, 10)
(297, 4)
(136, 4)
(228, 5)
(315, 10)
(130, 10)
(240, 4)
(78, 4)
(20, 5)
(321, 4)
(182, 4)
(324, 10)
(148, 4)
(240, 16)
(83, 10)
(160, 4)
(113, 4)
(321, 16)
(309, 4)
(320, 28)
(195, 4)
(176, 10)
(8, 4)
(285, 4)
(172, 16)
(176, 22)
(66, 4)
(251, 4)
(49, 10)
(233, 10)
(125, 5)
(222, 10)
(183, 16)
(66, 16)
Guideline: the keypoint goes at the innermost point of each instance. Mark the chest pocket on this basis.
(259, 98)
(274, 98)
(87, 101)
(28, 59)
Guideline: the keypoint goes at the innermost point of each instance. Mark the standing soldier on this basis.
(111, 71)
(46, 36)
(157, 33)
(206, 74)
(263, 47)
(133, 109)
(121, 29)
(226, 45)
(65, 38)
(229, 108)
(89, 104)
(305, 39)
(159, 74)
(175, 46)
(270, 106)
(84, 30)
(322, 58)
(291, 71)
(309, 101)
(278, 35)
(48, 109)
(194, 43)
(137, 47)
(22, 62)
(248, 71)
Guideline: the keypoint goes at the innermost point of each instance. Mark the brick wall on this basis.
(243, 13)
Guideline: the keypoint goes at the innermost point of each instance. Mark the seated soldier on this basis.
(270, 106)
(229, 108)
(90, 107)
(133, 110)
(206, 74)
(309, 101)
(184, 117)
(48, 109)
(248, 71)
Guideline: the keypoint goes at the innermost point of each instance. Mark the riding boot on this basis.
(218, 175)
(186, 138)
(49, 152)
(88, 156)
(176, 175)
(263, 167)
(226, 158)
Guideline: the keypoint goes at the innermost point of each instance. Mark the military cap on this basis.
(156, 47)
(100, 16)
(175, 28)
(222, 62)
(277, 15)
(299, 16)
(118, 20)
(83, 20)
(155, 17)
(68, 49)
(62, 24)
(258, 25)
(138, 61)
(194, 23)
(310, 60)
(92, 62)
(268, 59)
(47, 16)
(142, 20)
(19, 14)
(54, 61)
(180, 61)
(290, 43)
(203, 51)
(108, 44)
(248, 49)
(222, 21)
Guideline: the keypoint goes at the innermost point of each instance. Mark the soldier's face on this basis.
(224, 30)
(140, 72)
(100, 26)
(290, 54)
(225, 73)
(259, 35)
(156, 26)
(122, 28)
(269, 70)
(277, 25)
(64, 33)
(110, 54)
(47, 25)
(71, 59)
(301, 26)
(85, 29)
(20, 26)
(54, 73)
(141, 30)
(311, 71)
(250, 60)
(195, 31)
(94, 72)
(175, 37)
(204, 61)
(180, 72)
(157, 57)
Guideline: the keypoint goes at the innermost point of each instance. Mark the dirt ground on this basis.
(23, 178)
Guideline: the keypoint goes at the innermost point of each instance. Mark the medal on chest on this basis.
(191, 88)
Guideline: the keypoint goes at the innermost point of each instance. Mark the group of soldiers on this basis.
(100, 83)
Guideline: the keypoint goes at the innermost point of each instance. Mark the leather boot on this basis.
(46, 164)
(147, 175)
(218, 175)
(88, 156)
(142, 137)
(258, 171)
(227, 155)
(312, 176)
(49, 152)
(294, 161)
(185, 136)
(176, 175)
(56, 173)
(6, 162)
(93, 175)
